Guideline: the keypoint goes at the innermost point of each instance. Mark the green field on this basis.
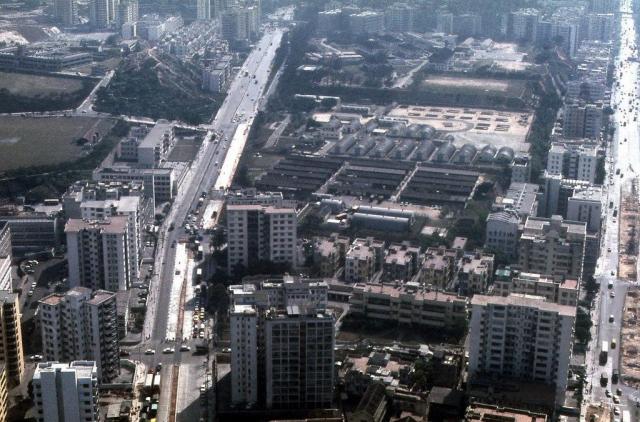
(37, 85)
(26, 142)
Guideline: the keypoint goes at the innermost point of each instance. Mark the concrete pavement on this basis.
(623, 152)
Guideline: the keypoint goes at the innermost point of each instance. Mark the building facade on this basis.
(282, 343)
(11, 353)
(82, 325)
(261, 233)
(553, 247)
(521, 337)
(66, 392)
(98, 253)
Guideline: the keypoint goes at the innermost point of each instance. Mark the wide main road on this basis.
(239, 108)
(623, 161)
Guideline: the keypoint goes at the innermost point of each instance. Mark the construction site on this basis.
(628, 240)
(630, 336)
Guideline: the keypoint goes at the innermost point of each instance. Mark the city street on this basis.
(622, 155)
(238, 109)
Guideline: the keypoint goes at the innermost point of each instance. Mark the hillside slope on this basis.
(156, 85)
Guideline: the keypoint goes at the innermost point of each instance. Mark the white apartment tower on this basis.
(521, 337)
(576, 162)
(125, 206)
(282, 344)
(244, 357)
(66, 392)
(553, 247)
(81, 325)
(261, 233)
(97, 251)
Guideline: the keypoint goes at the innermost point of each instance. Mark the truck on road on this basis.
(604, 353)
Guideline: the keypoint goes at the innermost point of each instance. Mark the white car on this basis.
(185, 348)
(149, 352)
(168, 350)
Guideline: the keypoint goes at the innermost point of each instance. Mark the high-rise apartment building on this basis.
(203, 10)
(66, 12)
(259, 232)
(299, 359)
(126, 12)
(523, 24)
(600, 26)
(585, 205)
(557, 191)
(366, 22)
(399, 17)
(444, 23)
(282, 342)
(573, 161)
(553, 246)
(521, 337)
(4, 393)
(66, 392)
(582, 120)
(81, 325)
(244, 354)
(502, 232)
(5, 257)
(102, 13)
(11, 354)
(125, 206)
(240, 23)
(98, 253)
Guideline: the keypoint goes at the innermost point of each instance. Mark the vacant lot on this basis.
(511, 88)
(37, 85)
(28, 142)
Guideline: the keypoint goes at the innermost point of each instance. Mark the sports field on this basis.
(28, 142)
(28, 85)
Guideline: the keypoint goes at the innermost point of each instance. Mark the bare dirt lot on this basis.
(628, 243)
(28, 142)
(512, 88)
(630, 336)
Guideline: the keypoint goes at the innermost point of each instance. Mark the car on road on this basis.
(168, 350)
(611, 318)
(149, 352)
(616, 400)
(185, 348)
(36, 358)
(618, 392)
(612, 295)
(226, 350)
(607, 393)
(616, 409)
